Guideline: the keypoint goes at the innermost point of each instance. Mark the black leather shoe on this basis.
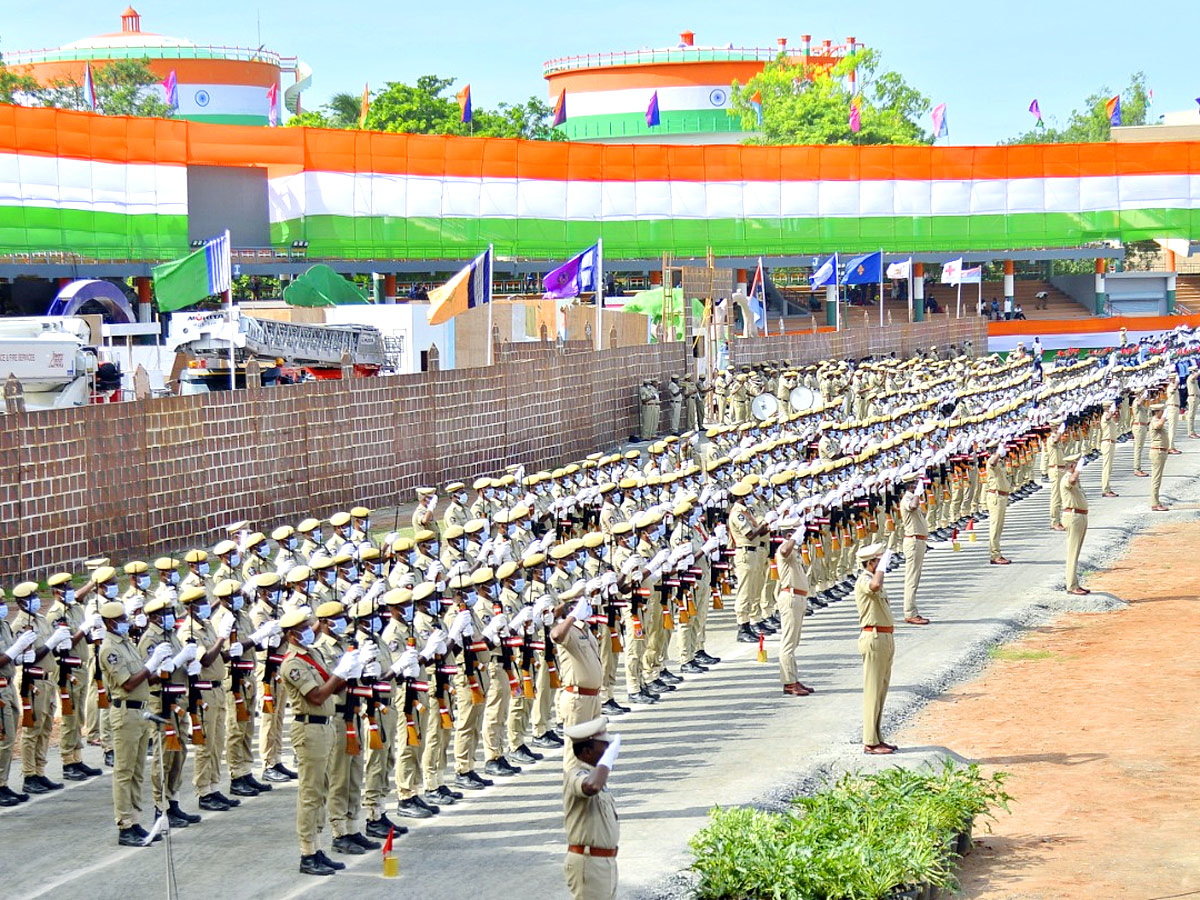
(256, 784)
(765, 627)
(143, 834)
(332, 863)
(284, 770)
(524, 755)
(746, 634)
(610, 708)
(72, 772)
(652, 691)
(662, 687)
(53, 785)
(548, 741)
(410, 808)
(229, 800)
(9, 799)
(817, 602)
(478, 779)
(449, 795)
(239, 788)
(691, 667)
(128, 837)
(173, 820)
(274, 775)
(467, 783)
(214, 803)
(8, 792)
(346, 844)
(773, 621)
(363, 841)
(88, 770)
(670, 677)
(432, 804)
(108, 758)
(383, 826)
(501, 768)
(434, 797)
(176, 810)
(312, 865)
(641, 698)
(33, 786)
(707, 658)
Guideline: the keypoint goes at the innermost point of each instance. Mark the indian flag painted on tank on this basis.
(104, 186)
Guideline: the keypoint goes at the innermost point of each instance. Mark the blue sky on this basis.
(986, 62)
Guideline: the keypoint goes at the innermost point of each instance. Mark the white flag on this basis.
(952, 271)
(900, 269)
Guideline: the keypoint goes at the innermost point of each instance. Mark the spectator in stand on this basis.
(981, 307)
(1018, 312)
(1008, 301)
(1043, 300)
(995, 309)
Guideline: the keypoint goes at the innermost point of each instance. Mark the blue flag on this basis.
(864, 269)
(826, 273)
(652, 118)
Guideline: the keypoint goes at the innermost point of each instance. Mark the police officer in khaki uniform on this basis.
(12, 651)
(40, 669)
(793, 600)
(1160, 445)
(590, 813)
(312, 680)
(210, 654)
(916, 537)
(998, 490)
(579, 664)
(127, 679)
(875, 643)
(67, 611)
(1075, 513)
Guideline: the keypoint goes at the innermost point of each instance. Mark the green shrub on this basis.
(857, 839)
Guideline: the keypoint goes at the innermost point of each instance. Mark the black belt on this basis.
(312, 720)
(129, 704)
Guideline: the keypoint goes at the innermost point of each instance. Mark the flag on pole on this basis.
(902, 269)
(973, 275)
(576, 275)
(560, 109)
(1036, 111)
(940, 127)
(952, 271)
(464, 103)
(756, 105)
(204, 273)
(856, 113)
(273, 101)
(1113, 110)
(652, 117)
(365, 106)
(89, 87)
(471, 287)
(171, 89)
(387, 845)
(865, 269)
(826, 273)
(758, 298)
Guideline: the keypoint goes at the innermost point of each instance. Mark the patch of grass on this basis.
(1012, 654)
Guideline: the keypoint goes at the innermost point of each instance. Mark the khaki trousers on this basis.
(914, 562)
(1056, 504)
(591, 877)
(270, 729)
(170, 764)
(496, 709)
(239, 743)
(877, 651)
(468, 721)
(70, 740)
(1158, 461)
(1076, 524)
(997, 510)
(1108, 451)
(131, 737)
(791, 617)
(436, 739)
(35, 740)
(543, 699)
(408, 757)
(313, 745)
(1139, 445)
(377, 768)
(344, 802)
(207, 775)
(657, 637)
(8, 730)
(749, 587)
(635, 649)
(97, 726)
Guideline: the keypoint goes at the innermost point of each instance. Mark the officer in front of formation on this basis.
(590, 812)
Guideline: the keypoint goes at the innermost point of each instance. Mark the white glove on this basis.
(184, 656)
(433, 645)
(1079, 464)
(457, 626)
(372, 669)
(158, 656)
(407, 665)
(543, 603)
(609, 758)
(582, 611)
(492, 632)
(520, 619)
(349, 666)
(225, 628)
(193, 668)
(264, 631)
(368, 651)
(885, 559)
(59, 638)
(91, 622)
(353, 595)
(235, 649)
(23, 642)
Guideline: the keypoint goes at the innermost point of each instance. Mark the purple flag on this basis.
(576, 275)
(1036, 110)
(652, 111)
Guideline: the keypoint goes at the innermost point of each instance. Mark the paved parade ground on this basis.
(726, 737)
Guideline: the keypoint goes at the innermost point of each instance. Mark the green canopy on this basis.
(650, 303)
(321, 286)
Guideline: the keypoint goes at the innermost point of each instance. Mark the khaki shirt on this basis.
(791, 570)
(1072, 495)
(39, 624)
(913, 519)
(455, 514)
(174, 691)
(120, 661)
(740, 525)
(1158, 435)
(873, 608)
(580, 664)
(205, 637)
(301, 677)
(997, 475)
(590, 821)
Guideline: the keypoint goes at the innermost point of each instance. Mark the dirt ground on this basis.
(1096, 717)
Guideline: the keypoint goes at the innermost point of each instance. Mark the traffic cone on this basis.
(971, 530)
(762, 650)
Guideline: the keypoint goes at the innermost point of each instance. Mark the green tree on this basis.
(812, 106)
(124, 87)
(343, 110)
(13, 85)
(1090, 124)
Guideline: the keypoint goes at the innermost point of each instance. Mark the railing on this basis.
(672, 55)
(67, 54)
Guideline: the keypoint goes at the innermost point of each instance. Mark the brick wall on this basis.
(859, 340)
(140, 479)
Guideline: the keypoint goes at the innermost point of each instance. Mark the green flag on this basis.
(321, 286)
(184, 282)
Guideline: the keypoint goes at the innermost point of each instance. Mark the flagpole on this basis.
(490, 347)
(762, 284)
(599, 292)
(229, 314)
(958, 309)
(880, 287)
(910, 290)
